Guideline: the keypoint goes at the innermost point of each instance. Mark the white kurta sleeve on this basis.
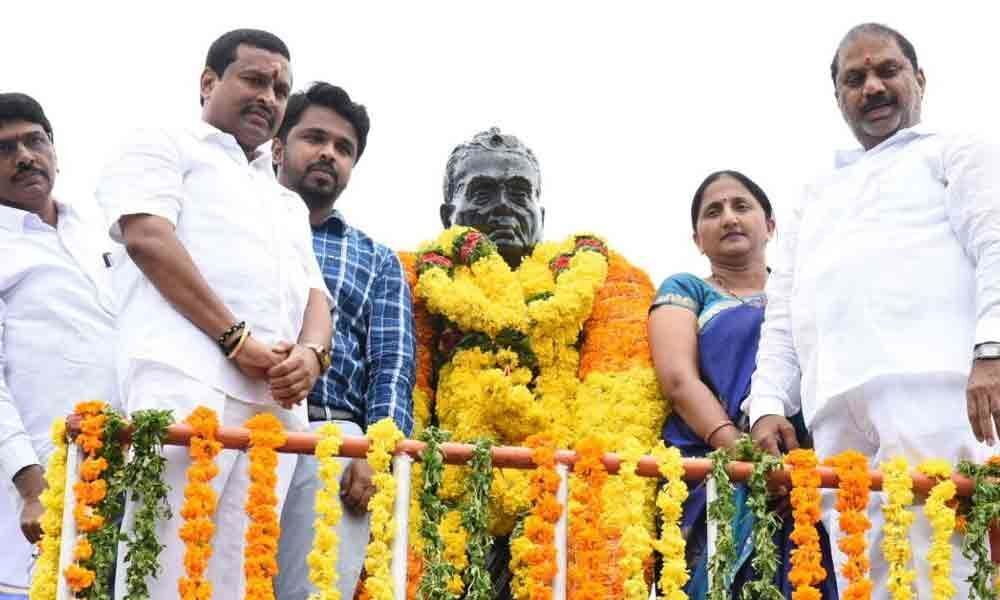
(16, 451)
(145, 177)
(774, 388)
(972, 178)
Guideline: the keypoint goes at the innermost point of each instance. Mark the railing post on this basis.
(562, 534)
(712, 533)
(401, 464)
(68, 533)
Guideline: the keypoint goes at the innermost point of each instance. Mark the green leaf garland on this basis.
(985, 509)
(437, 571)
(721, 511)
(475, 519)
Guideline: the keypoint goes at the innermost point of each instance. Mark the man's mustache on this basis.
(25, 171)
(878, 102)
(327, 168)
(261, 111)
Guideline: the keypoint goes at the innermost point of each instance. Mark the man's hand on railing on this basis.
(293, 377)
(774, 434)
(356, 487)
(30, 483)
(983, 399)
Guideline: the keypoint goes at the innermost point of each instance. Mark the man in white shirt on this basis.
(56, 323)
(887, 315)
(223, 304)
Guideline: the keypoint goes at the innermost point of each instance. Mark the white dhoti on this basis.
(914, 416)
(159, 386)
(16, 558)
(297, 527)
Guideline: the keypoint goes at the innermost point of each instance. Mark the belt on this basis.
(322, 413)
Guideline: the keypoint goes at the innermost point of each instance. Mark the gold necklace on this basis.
(722, 283)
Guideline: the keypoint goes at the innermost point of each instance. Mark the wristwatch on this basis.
(322, 355)
(986, 351)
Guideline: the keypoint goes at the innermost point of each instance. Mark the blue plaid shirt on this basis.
(373, 346)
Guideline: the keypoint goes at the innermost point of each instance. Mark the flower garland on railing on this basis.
(586, 536)
(383, 437)
(636, 543)
(721, 512)
(437, 572)
(539, 526)
(941, 516)
(765, 524)
(852, 503)
(260, 561)
(322, 559)
(199, 504)
(670, 502)
(44, 581)
(984, 512)
(99, 502)
(144, 474)
(807, 559)
(898, 488)
(475, 520)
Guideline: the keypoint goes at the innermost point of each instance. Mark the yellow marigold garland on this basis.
(383, 437)
(941, 516)
(587, 539)
(44, 581)
(852, 503)
(199, 505)
(898, 488)
(636, 543)
(322, 559)
(670, 502)
(260, 561)
(807, 559)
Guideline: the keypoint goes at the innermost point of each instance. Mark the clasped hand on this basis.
(290, 369)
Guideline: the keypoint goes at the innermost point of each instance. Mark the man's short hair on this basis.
(222, 52)
(490, 140)
(874, 29)
(336, 99)
(15, 106)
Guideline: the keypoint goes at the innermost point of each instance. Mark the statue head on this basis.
(493, 183)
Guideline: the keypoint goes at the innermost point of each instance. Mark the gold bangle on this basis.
(727, 422)
(239, 344)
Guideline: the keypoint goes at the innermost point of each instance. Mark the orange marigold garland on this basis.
(852, 503)
(587, 536)
(807, 559)
(199, 505)
(97, 505)
(260, 563)
(539, 526)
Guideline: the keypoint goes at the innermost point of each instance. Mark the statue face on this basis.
(497, 193)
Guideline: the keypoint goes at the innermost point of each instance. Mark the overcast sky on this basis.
(628, 105)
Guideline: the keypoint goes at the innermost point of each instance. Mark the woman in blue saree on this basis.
(704, 334)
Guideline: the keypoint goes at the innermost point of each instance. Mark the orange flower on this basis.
(83, 550)
(588, 542)
(852, 502)
(78, 578)
(199, 505)
(91, 468)
(260, 563)
(539, 526)
(807, 567)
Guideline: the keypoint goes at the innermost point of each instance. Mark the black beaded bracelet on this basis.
(236, 328)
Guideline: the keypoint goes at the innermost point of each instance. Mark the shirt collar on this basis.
(844, 158)
(205, 131)
(14, 219)
(336, 221)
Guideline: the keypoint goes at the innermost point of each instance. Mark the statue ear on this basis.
(447, 212)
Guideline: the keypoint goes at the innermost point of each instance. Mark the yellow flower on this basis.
(942, 520)
(671, 544)
(322, 559)
(46, 574)
(898, 488)
(383, 437)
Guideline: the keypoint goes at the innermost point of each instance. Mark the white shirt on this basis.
(892, 267)
(248, 236)
(56, 328)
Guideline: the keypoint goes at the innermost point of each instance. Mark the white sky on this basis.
(627, 105)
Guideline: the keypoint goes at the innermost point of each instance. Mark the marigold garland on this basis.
(199, 504)
(636, 542)
(383, 437)
(807, 559)
(539, 526)
(587, 539)
(44, 581)
(99, 501)
(322, 559)
(260, 561)
(898, 488)
(941, 516)
(852, 503)
(670, 502)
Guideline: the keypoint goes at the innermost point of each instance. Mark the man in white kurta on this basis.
(56, 323)
(223, 304)
(891, 280)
